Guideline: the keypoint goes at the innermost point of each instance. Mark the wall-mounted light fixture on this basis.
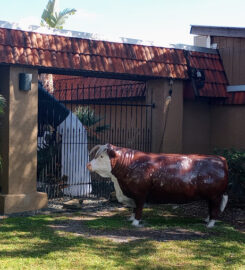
(25, 80)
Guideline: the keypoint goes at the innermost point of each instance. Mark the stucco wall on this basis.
(172, 142)
(228, 126)
(206, 127)
(19, 144)
(196, 127)
(23, 107)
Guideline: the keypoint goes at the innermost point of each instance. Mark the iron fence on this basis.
(71, 120)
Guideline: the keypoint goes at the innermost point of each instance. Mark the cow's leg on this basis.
(214, 210)
(207, 219)
(138, 213)
(132, 217)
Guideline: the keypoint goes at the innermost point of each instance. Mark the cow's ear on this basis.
(111, 153)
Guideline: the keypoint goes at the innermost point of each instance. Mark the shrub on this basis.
(236, 163)
(2, 105)
(91, 121)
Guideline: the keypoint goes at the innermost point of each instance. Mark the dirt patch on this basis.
(234, 213)
(93, 210)
(78, 227)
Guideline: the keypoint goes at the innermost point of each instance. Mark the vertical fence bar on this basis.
(120, 107)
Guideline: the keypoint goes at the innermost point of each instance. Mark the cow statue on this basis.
(141, 178)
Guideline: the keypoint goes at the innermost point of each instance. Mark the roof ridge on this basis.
(78, 34)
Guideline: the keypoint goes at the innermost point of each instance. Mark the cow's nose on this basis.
(89, 166)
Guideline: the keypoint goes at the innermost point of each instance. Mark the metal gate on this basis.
(71, 120)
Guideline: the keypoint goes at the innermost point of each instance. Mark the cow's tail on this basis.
(225, 196)
(223, 202)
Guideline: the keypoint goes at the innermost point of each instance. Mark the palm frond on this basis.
(48, 12)
(54, 19)
(67, 11)
(63, 16)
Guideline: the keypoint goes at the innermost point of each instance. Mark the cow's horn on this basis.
(101, 149)
(95, 148)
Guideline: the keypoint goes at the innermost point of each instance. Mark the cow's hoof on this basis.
(211, 223)
(132, 217)
(136, 223)
(207, 219)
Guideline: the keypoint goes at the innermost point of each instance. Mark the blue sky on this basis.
(160, 21)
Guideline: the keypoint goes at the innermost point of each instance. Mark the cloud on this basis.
(83, 14)
(84, 19)
(30, 20)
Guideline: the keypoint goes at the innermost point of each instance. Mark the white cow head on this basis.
(101, 162)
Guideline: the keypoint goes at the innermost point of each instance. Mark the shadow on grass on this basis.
(34, 238)
(38, 240)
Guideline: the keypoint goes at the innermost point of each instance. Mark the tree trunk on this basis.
(47, 81)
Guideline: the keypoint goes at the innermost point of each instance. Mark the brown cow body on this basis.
(168, 178)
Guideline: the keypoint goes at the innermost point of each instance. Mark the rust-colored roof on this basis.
(215, 79)
(74, 88)
(65, 81)
(84, 55)
(236, 98)
(58, 53)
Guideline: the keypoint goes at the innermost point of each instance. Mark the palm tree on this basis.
(53, 18)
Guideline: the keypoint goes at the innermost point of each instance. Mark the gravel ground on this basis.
(56, 206)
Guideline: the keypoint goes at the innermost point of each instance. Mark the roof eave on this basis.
(218, 31)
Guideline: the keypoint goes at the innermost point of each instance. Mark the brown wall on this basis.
(232, 51)
(196, 127)
(172, 142)
(228, 126)
(206, 127)
(173, 134)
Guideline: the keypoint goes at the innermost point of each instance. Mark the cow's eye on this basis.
(101, 156)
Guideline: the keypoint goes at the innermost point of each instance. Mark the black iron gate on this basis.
(71, 120)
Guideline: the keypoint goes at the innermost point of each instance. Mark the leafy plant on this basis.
(236, 163)
(54, 18)
(49, 166)
(2, 104)
(90, 120)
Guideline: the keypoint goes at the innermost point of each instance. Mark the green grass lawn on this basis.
(31, 243)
